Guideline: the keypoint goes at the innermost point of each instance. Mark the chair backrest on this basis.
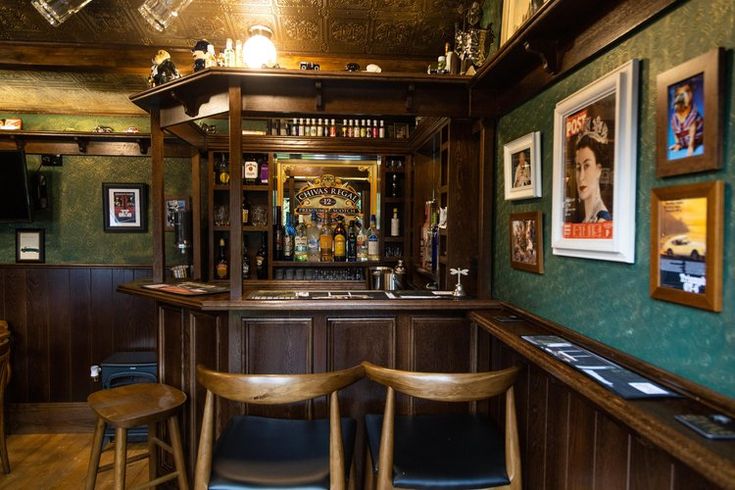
(4, 330)
(272, 389)
(449, 387)
(4, 366)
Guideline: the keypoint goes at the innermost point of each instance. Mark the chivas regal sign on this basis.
(327, 193)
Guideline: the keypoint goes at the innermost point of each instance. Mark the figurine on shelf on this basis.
(459, 289)
(199, 53)
(163, 69)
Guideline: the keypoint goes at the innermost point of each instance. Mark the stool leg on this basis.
(173, 429)
(121, 455)
(94, 458)
(152, 451)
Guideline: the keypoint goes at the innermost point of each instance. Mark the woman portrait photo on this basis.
(589, 161)
(521, 169)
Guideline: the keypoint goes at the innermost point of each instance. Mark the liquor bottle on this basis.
(245, 210)
(394, 186)
(210, 58)
(245, 263)
(222, 170)
(362, 242)
(284, 128)
(376, 131)
(249, 169)
(332, 129)
(340, 241)
(264, 169)
(344, 128)
(223, 267)
(313, 127)
(289, 235)
(319, 128)
(302, 128)
(301, 242)
(238, 53)
(312, 239)
(261, 259)
(381, 132)
(229, 53)
(350, 129)
(395, 224)
(368, 129)
(373, 240)
(277, 236)
(351, 242)
(294, 127)
(363, 129)
(326, 242)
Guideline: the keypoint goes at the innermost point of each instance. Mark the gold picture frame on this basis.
(526, 241)
(687, 244)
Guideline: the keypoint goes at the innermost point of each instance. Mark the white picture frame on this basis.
(522, 167)
(593, 203)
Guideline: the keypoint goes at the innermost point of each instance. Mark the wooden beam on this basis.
(159, 241)
(235, 115)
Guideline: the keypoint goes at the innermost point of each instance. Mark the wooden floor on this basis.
(59, 461)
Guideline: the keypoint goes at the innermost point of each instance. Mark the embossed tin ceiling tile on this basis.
(391, 35)
(349, 4)
(299, 3)
(349, 34)
(299, 33)
(239, 23)
(401, 5)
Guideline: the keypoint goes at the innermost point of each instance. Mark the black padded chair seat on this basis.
(261, 452)
(459, 451)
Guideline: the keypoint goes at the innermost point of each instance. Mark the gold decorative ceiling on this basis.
(95, 59)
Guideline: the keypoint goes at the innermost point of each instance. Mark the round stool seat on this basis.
(136, 404)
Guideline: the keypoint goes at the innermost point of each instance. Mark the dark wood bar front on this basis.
(575, 434)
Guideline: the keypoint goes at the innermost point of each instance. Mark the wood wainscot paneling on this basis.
(63, 319)
(574, 434)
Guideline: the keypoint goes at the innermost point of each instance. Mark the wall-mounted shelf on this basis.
(84, 143)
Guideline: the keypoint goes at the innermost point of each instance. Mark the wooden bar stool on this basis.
(131, 406)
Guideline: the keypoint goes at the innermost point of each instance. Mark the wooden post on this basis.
(159, 245)
(235, 119)
(196, 215)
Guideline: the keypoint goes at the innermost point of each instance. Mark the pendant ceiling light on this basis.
(57, 11)
(160, 13)
(258, 50)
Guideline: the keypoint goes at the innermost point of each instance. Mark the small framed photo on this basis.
(173, 205)
(30, 245)
(515, 14)
(526, 241)
(401, 130)
(686, 244)
(593, 201)
(688, 116)
(522, 165)
(125, 207)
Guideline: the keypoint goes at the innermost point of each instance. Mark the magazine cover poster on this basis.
(682, 244)
(589, 156)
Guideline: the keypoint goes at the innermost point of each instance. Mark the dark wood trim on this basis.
(426, 130)
(485, 215)
(575, 30)
(653, 420)
(196, 215)
(49, 418)
(236, 200)
(156, 203)
(88, 144)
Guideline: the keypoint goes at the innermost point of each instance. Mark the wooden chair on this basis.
(261, 452)
(4, 379)
(457, 451)
(131, 406)
(4, 330)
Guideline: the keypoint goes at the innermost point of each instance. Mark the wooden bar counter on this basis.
(307, 336)
(574, 432)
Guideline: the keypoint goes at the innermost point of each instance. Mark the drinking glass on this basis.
(160, 13)
(57, 11)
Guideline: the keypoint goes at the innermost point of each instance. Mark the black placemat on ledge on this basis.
(615, 378)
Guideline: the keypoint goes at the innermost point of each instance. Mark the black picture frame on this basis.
(30, 246)
(125, 207)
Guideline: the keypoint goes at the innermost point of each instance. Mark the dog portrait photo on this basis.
(689, 115)
(686, 118)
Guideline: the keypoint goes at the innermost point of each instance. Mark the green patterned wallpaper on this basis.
(73, 221)
(610, 301)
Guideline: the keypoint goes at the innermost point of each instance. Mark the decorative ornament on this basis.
(199, 53)
(458, 288)
(163, 69)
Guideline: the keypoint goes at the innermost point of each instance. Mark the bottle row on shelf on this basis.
(325, 127)
(255, 169)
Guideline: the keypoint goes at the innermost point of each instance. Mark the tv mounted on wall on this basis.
(15, 198)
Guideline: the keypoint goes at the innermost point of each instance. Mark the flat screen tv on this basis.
(15, 198)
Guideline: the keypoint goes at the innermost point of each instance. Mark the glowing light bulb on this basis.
(258, 50)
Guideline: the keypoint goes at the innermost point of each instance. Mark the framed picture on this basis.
(125, 207)
(593, 202)
(30, 245)
(515, 14)
(522, 165)
(174, 204)
(526, 241)
(686, 244)
(689, 117)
